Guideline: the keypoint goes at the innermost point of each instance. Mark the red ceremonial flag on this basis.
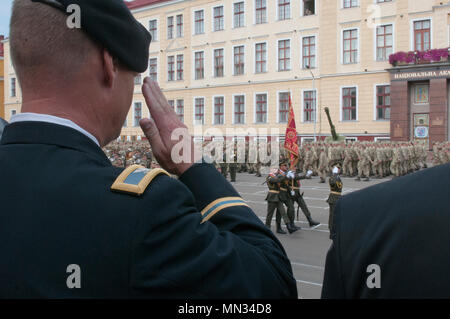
(290, 140)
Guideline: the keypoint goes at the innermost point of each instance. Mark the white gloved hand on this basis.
(290, 174)
(309, 173)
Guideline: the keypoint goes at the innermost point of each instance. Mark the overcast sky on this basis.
(5, 12)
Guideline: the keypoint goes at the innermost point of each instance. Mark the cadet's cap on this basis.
(112, 25)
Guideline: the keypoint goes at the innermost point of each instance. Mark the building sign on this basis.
(408, 76)
(421, 132)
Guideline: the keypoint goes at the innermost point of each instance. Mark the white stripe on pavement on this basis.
(306, 265)
(308, 283)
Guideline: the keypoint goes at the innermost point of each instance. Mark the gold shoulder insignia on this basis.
(135, 179)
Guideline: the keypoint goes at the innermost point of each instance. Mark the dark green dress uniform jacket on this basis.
(58, 210)
(272, 183)
(335, 189)
(403, 227)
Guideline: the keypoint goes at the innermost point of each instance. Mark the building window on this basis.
(153, 29)
(422, 39)
(350, 3)
(261, 11)
(309, 106)
(261, 108)
(239, 109)
(199, 66)
(350, 46)
(284, 9)
(138, 79)
(172, 104)
(261, 57)
(384, 42)
(309, 7)
(153, 69)
(125, 124)
(239, 60)
(218, 110)
(13, 87)
(349, 104)
(309, 52)
(239, 14)
(180, 110)
(137, 113)
(13, 112)
(180, 69)
(381, 1)
(199, 111)
(284, 55)
(283, 110)
(179, 26)
(169, 27)
(383, 102)
(218, 63)
(218, 18)
(170, 68)
(199, 22)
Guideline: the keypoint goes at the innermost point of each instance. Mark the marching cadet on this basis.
(233, 168)
(347, 166)
(308, 159)
(377, 162)
(286, 178)
(224, 166)
(335, 194)
(363, 163)
(274, 202)
(297, 197)
(323, 165)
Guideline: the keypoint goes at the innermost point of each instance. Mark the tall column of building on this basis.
(438, 110)
(400, 111)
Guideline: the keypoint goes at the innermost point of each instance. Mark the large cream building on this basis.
(232, 65)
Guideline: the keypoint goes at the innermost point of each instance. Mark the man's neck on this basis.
(52, 107)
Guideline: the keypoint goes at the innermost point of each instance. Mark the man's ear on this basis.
(110, 68)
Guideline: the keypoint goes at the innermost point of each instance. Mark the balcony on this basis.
(419, 57)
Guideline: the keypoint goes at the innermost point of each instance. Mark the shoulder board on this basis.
(135, 179)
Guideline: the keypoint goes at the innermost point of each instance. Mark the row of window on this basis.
(308, 7)
(283, 8)
(348, 109)
(350, 53)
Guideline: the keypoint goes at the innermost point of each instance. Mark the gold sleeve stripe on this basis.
(217, 209)
(218, 201)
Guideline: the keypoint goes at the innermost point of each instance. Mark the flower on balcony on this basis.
(411, 57)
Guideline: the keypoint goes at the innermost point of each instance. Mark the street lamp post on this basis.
(315, 102)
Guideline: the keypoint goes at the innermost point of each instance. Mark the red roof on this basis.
(141, 3)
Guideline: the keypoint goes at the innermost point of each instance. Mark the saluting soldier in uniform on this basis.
(274, 202)
(335, 194)
(82, 228)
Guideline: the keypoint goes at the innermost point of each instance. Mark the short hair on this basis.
(41, 42)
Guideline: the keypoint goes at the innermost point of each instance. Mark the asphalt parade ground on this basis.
(308, 247)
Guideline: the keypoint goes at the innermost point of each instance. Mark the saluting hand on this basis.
(164, 121)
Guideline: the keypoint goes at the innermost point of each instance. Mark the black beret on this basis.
(111, 23)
